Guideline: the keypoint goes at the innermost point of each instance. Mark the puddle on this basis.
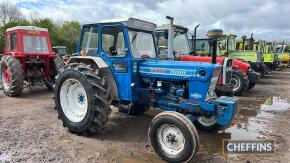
(5, 157)
(276, 104)
(249, 123)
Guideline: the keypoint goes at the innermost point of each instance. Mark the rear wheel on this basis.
(240, 82)
(11, 76)
(173, 137)
(82, 99)
(55, 65)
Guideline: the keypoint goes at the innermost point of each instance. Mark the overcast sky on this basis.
(267, 19)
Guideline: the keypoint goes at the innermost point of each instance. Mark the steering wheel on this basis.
(144, 56)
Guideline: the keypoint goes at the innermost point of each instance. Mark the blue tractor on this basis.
(117, 65)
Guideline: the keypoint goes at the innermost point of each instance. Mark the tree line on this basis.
(64, 34)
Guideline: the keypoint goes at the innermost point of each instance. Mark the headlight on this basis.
(202, 73)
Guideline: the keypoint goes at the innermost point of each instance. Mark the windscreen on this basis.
(35, 44)
(181, 45)
(62, 51)
(142, 44)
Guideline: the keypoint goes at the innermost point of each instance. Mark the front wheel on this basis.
(207, 124)
(240, 82)
(173, 137)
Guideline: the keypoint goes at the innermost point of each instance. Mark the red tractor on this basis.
(27, 60)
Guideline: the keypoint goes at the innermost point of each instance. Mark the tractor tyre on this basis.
(207, 124)
(267, 70)
(11, 76)
(56, 64)
(82, 98)
(173, 137)
(251, 85)
(240, 82)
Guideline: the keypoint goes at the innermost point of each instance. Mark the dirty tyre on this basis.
(56, 64)
(207, 124)
(251, 86)
(173, 137)
(240, 82)
(79, 85)
(11, 76)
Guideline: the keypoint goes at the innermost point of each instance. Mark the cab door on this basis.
(114, 50)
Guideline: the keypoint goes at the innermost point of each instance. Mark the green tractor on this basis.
(282, 51)
(246, 50)
(270, 57)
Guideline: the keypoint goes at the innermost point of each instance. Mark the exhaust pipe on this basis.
(170, 37)
(194, 40)
(214, 35)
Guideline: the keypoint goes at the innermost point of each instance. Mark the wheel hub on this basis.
(73, 99)
(171, 139)
(236, 83)
(81, 99)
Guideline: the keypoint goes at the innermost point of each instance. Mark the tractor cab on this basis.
(283, 54)
(178, 48)
(60, 50)
(117, 64)
(179, 44)
(248, 50)
(28, 49)
(270, 57)
(203, 47)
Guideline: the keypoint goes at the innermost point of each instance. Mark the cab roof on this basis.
(132, 23)
(175, 27)
(31, 28)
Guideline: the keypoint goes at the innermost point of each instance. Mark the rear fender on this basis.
(98, 63)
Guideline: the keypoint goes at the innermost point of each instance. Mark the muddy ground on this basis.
(31, 132)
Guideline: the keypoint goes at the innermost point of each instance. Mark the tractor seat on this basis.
(113, 51)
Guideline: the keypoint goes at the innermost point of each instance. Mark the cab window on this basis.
(142, 44)
(7, 42)
(113, 43)
(90, 39)
(14, 42)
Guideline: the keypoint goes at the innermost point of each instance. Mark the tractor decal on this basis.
(196, 95)
(166, 71)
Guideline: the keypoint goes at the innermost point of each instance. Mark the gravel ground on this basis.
(31, 132)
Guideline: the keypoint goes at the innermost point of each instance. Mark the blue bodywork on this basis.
(184, 88)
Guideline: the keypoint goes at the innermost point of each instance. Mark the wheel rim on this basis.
(236, 82)
(6, 76)
(73, 99)
(207, 121)
(171, 139)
